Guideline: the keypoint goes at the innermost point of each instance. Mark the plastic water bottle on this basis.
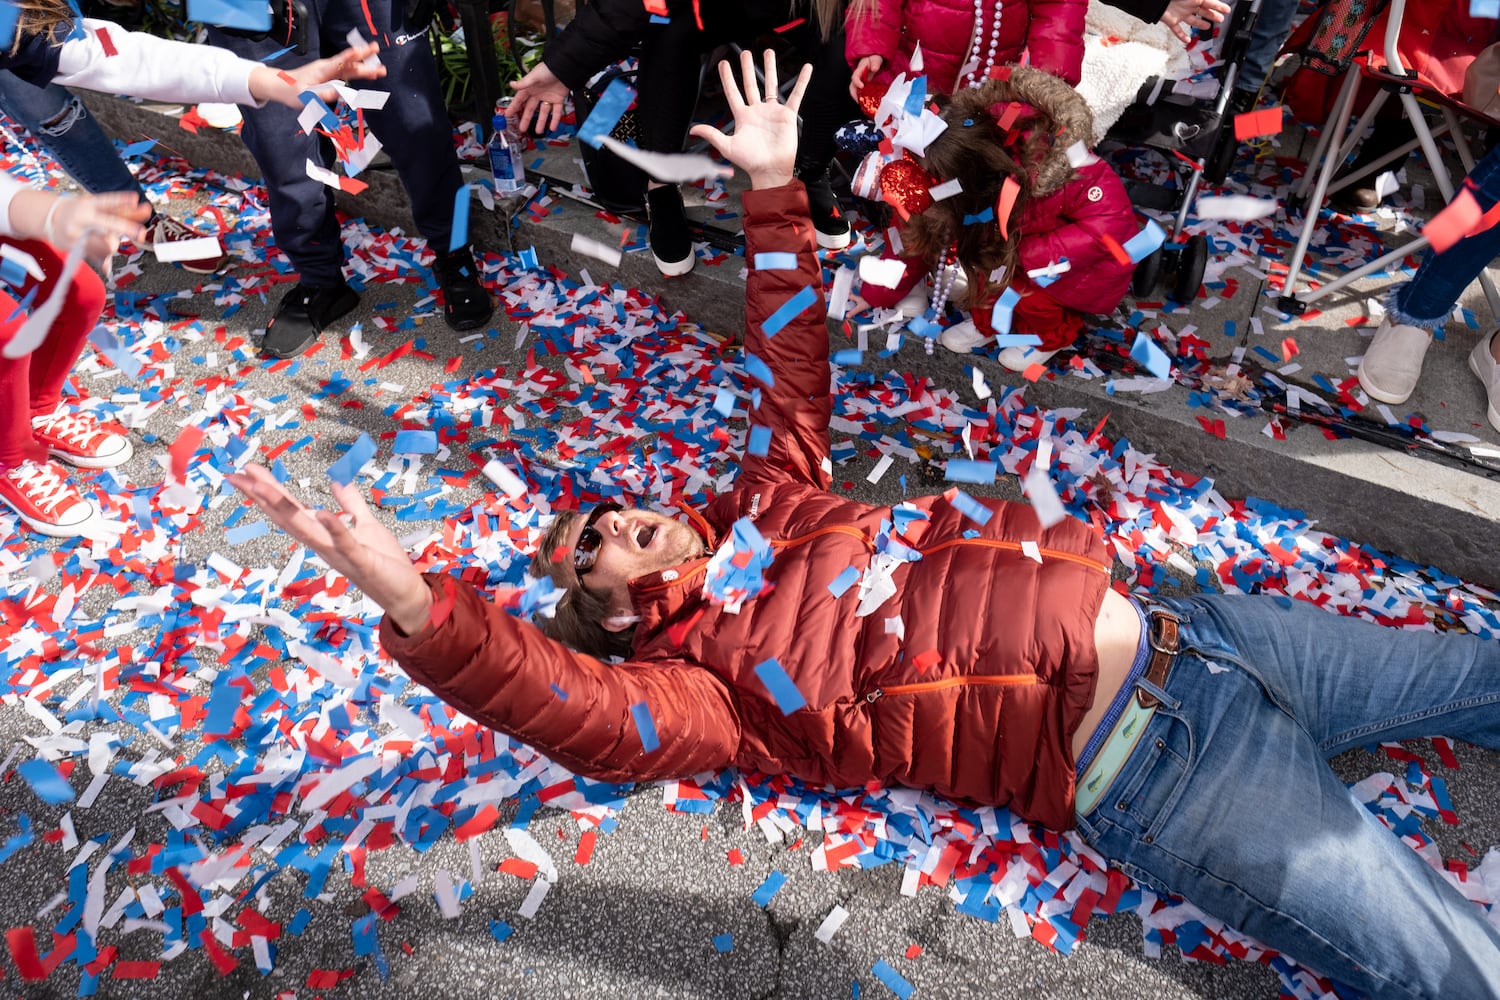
(505, 157)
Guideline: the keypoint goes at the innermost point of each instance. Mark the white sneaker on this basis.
(916, 301)
(961, 338)
(1484, 366)
(220, 115)
(1390, 368)
(1018, 359)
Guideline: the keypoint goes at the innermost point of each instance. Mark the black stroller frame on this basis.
(1202, 141)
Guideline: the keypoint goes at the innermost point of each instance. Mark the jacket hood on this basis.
(1053, 97)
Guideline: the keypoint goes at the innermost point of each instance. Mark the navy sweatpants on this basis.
(413, 128)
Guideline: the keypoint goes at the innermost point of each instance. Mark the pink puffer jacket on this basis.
(1050, 30)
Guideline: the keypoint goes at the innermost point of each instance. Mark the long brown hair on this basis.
(41, 17)
(973, 151)
(577, 617)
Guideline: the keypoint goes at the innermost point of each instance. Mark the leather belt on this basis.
(1164, 629)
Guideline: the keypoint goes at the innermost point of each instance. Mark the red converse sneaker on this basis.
(81, 439)
(166, 229)
(46, 501)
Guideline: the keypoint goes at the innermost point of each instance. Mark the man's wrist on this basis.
(411, 617)
(762, 179)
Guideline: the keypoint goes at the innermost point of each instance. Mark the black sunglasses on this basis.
(586, 552)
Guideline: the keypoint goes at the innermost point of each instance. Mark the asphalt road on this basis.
(639, 920)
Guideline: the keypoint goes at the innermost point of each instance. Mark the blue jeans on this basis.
(64, 127)
(1429, 297)
(1273, 23)
(1228, 799)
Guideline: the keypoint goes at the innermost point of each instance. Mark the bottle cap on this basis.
(499, 123)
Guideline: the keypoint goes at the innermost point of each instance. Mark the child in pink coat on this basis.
(962, 41)
(1056, 241)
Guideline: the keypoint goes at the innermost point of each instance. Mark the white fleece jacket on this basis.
(142, 65)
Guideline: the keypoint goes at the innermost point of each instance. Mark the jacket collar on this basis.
(658, 597)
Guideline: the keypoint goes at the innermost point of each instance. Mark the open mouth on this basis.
(644, 534)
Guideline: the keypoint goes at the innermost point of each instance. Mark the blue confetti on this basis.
(788, 698)
(611, 106)
(347, 467)
(971, 508)
(1001, 312)
(724, 943)
(646, 726)
(1150, 357)
(244, 15)
(9, 15)
(760, 441)
(756, 369)
(416, 443)
(788, 311)
(460, 237)
(848, 578)
(1146, 242)
(893, 980)
(963, 470)
(768, 889)
(776, 261)
(46, 780)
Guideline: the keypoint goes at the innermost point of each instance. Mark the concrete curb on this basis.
(1421, 509)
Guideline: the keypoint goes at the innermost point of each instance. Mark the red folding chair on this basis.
(1422, 61)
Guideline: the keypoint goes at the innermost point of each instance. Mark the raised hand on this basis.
(285, 86)
(1184, 16)
(539, 94)
(764, 143)
(353, 543)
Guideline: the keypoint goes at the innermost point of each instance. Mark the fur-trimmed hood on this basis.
(1073, 123)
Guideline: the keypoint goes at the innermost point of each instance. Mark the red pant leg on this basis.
(33, 384)
(1036, 312)
(882, 297)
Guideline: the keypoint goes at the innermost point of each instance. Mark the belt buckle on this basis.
(1154, 614)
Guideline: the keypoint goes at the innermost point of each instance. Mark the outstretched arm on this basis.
(786, 316)
(598, 720)
(107, 57)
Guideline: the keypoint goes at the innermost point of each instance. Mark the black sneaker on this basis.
(827, 219)
(466, 305)
(671, 239)
(303, 314)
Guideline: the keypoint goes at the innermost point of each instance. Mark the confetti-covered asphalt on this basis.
(252, 794)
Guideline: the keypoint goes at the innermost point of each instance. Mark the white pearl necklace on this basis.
(979, 74)
(942, 287)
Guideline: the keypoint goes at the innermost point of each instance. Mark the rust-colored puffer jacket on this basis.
(978, 701)
(1052, 31)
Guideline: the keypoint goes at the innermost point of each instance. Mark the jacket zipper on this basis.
(1017, 680)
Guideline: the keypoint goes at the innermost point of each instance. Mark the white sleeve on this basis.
(9, 188)
(154, 68)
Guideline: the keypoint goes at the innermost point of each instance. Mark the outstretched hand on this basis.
(540, 95)
(764, 143)
(1186, 16)
(353, 543)
(286, 86)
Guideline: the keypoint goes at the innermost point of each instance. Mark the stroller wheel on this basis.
(1190, 267)
(1147, 273)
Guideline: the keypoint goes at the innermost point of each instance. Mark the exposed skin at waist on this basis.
(1117, 633)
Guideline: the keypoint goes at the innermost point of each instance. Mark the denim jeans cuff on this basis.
(1399, 315)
